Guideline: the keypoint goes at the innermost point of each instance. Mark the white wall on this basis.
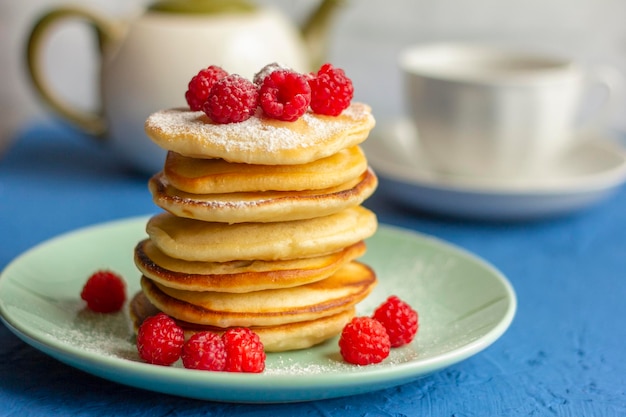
(367, 37)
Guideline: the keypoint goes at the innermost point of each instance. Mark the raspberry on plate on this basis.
(331, 91)
(204, 351)
(399, 319)
(285, 95)
(104, 292)
(200, 86)
(364, 341)
(232, 99)
(244, 351)
(160, 340)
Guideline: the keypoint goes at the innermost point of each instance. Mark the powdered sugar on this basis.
(108, 335)
(325, 359)
(267, 70)
(226, 203)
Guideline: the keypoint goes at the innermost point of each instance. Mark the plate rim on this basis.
(369, 378)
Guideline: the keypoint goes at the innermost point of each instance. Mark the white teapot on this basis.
(146, 64)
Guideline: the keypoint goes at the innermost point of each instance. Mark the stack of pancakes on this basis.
(262, 225)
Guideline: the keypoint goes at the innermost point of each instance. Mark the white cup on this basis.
(492, 111)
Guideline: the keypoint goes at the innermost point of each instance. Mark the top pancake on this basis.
(260, 140)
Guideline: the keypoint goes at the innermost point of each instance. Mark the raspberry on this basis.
(204, 351)
(364, 341)
(285, 95)
(200, 86)
(160, 340)
(399, 319)
(244, 351)
(232, 99)
(104, 292)
(267, 70)
(331, 91)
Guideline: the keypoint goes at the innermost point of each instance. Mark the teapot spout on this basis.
(316, 31)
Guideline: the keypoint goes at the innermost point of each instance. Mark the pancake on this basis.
(213, 176)
(342, 290)
(279, 338)
(195, 240)
(238, 276)
(260, 140)
(268, 206)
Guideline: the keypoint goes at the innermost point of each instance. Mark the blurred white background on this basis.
(367, 37)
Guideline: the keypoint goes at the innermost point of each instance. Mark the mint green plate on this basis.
(464, 305)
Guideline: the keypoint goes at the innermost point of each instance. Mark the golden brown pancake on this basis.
(216, 176)
(342, 290)
(279, 338)
(238, 276)
(268, 206)
(195, 240)
(260, 140)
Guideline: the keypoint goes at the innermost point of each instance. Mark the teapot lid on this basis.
(201, 6)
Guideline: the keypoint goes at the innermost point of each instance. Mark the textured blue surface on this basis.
(564, 354)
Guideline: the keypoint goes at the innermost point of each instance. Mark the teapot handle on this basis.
(107, 33)
(316, 31)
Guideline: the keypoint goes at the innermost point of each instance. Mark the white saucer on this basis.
(586, 175)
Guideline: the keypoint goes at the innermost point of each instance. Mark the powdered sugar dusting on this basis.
(233, 201)
(267, 70)
(329, 361)
(108, 335)
(226, 203)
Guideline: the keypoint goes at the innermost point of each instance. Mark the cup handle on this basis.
(106, 31)
(610, 82)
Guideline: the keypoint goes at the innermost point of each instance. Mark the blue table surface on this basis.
(563, 355)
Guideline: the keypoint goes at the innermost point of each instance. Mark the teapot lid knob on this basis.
(201, 6)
